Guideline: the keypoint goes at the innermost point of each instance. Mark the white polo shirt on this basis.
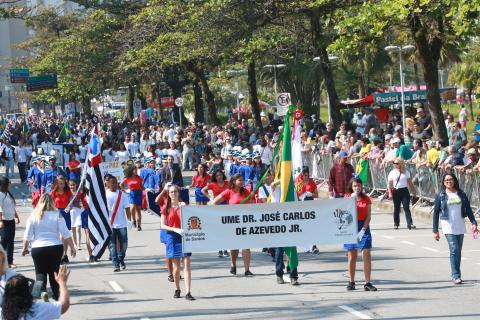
(7, 206)
(120, 218)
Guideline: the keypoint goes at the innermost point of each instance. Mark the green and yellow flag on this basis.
(65, 132)
(287, 187)
(286, 176)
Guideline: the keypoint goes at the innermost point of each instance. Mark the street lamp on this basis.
(401, 50)
(331, 58)
(235, 74)
(275, 67)
(441, 78)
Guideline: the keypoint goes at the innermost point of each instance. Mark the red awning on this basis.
(357, 103)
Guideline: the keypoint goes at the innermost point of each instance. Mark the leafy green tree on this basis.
(431, 25)
(467, 72)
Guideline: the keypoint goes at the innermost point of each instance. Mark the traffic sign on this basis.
(137, 107)
(42, 82)
(282, 102)
(179, 102)
(167, 102)
(19, 75)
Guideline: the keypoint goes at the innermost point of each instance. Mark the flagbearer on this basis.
(120, 219)
(287, 194)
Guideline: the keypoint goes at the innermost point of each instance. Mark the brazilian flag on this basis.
(286, 180)
(65, 132)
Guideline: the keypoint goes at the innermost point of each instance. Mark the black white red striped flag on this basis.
(98, 217)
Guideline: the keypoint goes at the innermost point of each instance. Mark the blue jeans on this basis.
(279, 265)
(118, 253)
(455, 242)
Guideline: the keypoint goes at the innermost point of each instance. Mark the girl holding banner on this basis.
(364, 214)
(171, 221)
(234, 195)
(217, 184)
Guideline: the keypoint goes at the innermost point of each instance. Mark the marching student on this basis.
(36, 176)
(364, 214)
(76, 214)
(74, 170)
(171, 222)
(161, 201)
(217, 184)
(61, 196)
(227, 163)
(246, 169)
(234, 195)
(150, 180)
(235, 166)
(120, 219)
(134, 184)
(199, 181)
(51, 173)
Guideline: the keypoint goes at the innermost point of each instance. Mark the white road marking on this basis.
(409, 243)
(144, 318)
(431, 249)
(354, 312)
(387, 237)
(115, 286)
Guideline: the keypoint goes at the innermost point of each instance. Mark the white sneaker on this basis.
(457, 281)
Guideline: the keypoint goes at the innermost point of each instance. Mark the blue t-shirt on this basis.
(477, 128)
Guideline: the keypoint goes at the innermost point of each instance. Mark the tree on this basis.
(467, 73)
(430, 25)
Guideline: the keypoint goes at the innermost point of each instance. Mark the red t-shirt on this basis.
(200, 181)
(173, 217)
(233, 197)
(74, 165)
(133, 183)
(308, 186)
(61, 200)
(362, 206)
(216, 189)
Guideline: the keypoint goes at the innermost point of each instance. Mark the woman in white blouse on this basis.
(398, 182)
(44, 232)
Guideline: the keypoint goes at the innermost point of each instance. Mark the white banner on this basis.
(114, 168)
(212, 228)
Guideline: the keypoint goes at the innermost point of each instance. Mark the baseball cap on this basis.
(342, 154)
(395, 140)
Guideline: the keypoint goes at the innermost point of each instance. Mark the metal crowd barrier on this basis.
(427, 181)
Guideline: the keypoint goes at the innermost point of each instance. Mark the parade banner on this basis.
(212, 228)
(114, 168)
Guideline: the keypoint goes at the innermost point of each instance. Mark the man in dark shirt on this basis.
(425, 121)
(340, 175)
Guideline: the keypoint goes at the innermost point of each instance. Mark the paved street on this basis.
(410, 269)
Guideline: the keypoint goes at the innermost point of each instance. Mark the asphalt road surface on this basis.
(410, 269)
